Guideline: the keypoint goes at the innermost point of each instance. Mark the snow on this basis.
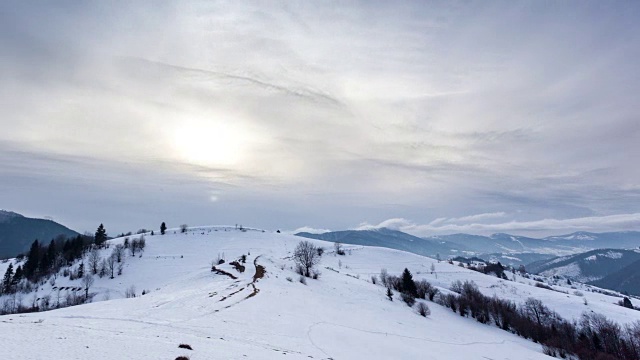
(612, 255)
(340, 316)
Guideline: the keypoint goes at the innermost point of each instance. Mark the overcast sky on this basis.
(431, 117)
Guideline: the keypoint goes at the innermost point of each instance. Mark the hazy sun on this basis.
(210, 143)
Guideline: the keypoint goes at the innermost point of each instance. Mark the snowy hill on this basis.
(256, 315)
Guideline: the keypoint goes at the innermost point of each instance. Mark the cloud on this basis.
(542, 227)
(307, 111)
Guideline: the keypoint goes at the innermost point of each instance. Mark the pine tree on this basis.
(17, 277)
(6, 281)
(627, 303)
(408, 285)
(81, 270)
(163, 228)
(101, 235)
(33, 260)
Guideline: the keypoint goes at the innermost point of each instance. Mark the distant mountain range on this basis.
(17, 232)
(588, 266)
(510, 248)
(608, 260)
(613, 269)
(387, 238)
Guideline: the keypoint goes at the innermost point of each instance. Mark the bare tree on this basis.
(111, 264)
(104, 268)
(94, 260)
(118, 252)
(134, 247)
(87, 282)
(183, 228)
(338, 248)
(306, 257)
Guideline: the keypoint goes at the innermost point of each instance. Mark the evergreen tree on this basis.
(81, 270)
(389, 294)
(627, 303)
(17, 277)
(101, 235)
(163, 228)
(6, 281)
(408, 285)
(33, 260)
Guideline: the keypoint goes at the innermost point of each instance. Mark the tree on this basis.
(433, 268)
(94, 260)
(390, 294)
(6, 281)
(133, 247)
(627, 303)
(111, 265)
(163, 228)
(101, 235)
(183, 228)
(408, 285)
(338, 248)
(306, 257)
(118, 252)
(87, 282)
(33, 259)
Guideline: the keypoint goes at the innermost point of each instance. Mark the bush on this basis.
(130, 292)
(408, 299)
(423, 309)
(185, 346)
(303, 280)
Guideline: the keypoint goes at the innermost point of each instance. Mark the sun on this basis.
(210, 143)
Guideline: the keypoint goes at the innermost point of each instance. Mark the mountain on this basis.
(506, 248)
(387, 238)
(17, 232)
(606, 240)
(263, 311)
(496, 243)
(588, 266)
(626, 279)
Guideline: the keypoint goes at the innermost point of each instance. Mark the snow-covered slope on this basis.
(340, 316)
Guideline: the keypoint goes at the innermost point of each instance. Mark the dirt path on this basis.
(260, 271)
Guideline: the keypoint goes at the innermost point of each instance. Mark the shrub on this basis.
(423, 309)
(303, 280)
(182, 358)
(130, 292)
(289, 279)
(408, 299)
(185, 346)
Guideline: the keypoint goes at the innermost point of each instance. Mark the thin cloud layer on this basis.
(537, 227)
(284, 114)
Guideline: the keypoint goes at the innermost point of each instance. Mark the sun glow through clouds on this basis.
(210, 143)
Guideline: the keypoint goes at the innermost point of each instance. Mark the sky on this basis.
(432, 117)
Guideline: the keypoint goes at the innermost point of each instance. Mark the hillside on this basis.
(626, 279)
(586, 267)
(342, 315)
(17, 232)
